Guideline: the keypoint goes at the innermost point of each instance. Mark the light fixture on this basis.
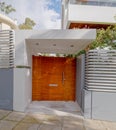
(37, 44)
(54, 44)
(71, 45)
(39, 54)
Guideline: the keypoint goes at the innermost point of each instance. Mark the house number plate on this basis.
(53, 85)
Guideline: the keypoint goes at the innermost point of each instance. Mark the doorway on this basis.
(53, 78)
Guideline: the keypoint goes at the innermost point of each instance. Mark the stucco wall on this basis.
(22, 76)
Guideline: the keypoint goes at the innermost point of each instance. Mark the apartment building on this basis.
(88, 13)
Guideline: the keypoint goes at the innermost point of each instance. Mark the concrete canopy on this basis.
(60, 41)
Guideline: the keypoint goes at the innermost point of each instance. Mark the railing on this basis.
(110, 3)
(6, 49)
(100, 70)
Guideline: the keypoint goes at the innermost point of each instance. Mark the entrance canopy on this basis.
(60, 41)
(32, 42)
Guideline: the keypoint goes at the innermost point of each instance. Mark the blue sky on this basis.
(45, 13)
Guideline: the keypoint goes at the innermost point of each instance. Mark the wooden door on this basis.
(53, 78)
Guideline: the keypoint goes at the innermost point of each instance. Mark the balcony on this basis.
(88, 14)
(108, 3)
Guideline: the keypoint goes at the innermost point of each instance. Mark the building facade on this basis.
(94, 88)
(88, 13)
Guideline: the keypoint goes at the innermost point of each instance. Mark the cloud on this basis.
(45, 16)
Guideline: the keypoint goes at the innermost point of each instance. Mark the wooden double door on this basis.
(53, 78)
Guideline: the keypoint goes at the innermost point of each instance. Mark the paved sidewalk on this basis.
(33, 121)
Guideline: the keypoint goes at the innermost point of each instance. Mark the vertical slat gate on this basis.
(100, 70)
(6, 48)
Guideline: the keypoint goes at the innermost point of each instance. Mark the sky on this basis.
(45, 13)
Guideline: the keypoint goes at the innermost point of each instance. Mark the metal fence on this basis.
(6, 49)
(100, 70)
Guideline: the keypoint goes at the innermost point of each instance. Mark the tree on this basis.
(6, 8)
(105, 38)
(28, 24)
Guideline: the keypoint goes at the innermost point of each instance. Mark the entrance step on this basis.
(54, 107)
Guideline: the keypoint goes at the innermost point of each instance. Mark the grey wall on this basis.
(6, 89)
(87, 103)
(99, 105)
(104, 105)
(80, 72)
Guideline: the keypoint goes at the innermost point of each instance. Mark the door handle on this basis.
(63, 78)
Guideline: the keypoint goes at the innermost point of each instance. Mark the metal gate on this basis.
(6, 49)
(100, 70)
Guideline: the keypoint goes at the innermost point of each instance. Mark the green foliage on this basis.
(76, 54)
(28, 24)
(105, 38)
(70, 55)
(23, 66)
(6, 8)
(80, 53)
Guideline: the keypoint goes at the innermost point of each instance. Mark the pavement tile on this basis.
(7, 125)
(22, 121)
(45, 117)
(4, 113)
(73, 128)
(72, 123)
(30, 119)
(49, 127)
(27, 126)
(71, 118)
(54, 123)
(15, 116)
(109, 125)
(93, 125)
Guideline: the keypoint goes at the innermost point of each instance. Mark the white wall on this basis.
(19, 100)
(22, 76)
(85, 13)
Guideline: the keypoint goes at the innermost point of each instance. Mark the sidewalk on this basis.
(33, 121)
